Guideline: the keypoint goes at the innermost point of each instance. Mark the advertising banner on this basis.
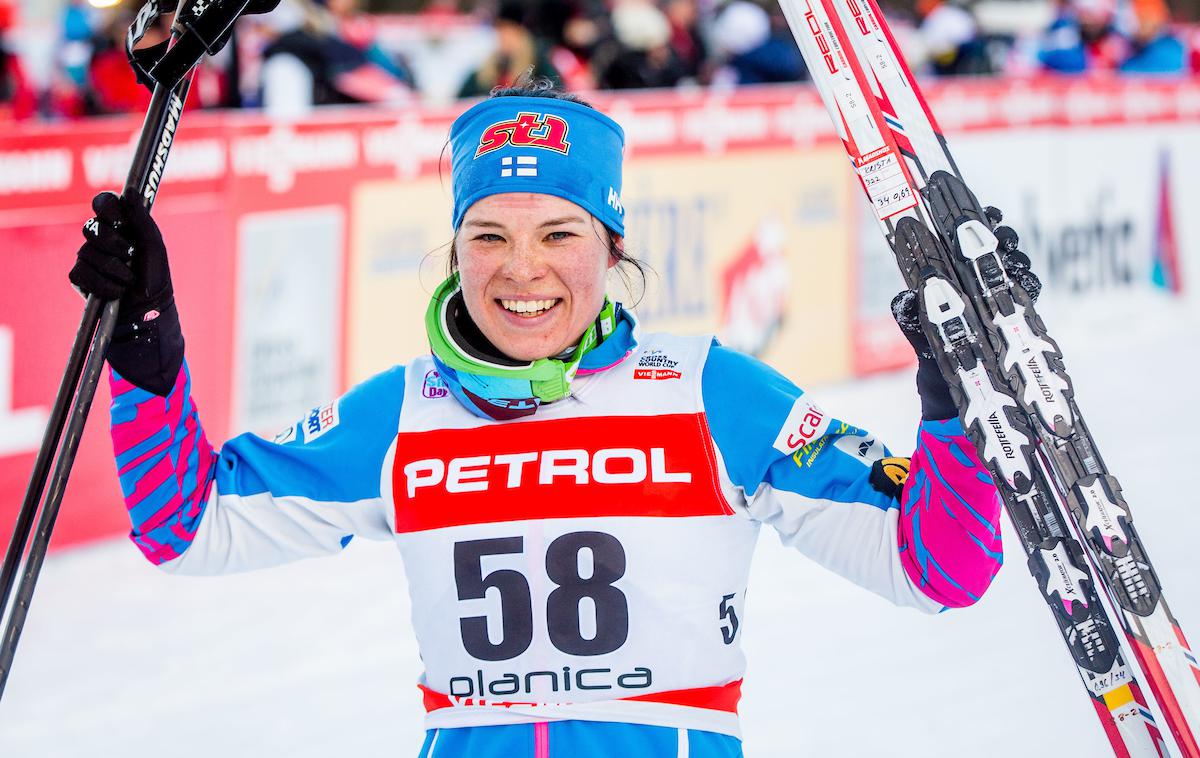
(304, 253)
(1100, 212)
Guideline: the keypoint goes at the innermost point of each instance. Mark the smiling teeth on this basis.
(527, 306)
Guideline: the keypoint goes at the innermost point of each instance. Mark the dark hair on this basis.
(528, 85)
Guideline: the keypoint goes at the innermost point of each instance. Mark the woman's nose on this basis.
(525, 262)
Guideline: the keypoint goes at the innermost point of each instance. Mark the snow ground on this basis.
(316, 658)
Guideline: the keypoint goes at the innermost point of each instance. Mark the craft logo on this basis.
(656, 365)
(434, 386)
(526, 130)
(285, 436)
(320, 420)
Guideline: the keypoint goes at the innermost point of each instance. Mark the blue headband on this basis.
(538, 144)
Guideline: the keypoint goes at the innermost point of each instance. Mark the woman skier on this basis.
(576, 501)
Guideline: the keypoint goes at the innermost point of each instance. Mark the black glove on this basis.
(123, 256)
(936, 403)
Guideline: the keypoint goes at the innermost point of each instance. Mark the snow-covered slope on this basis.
(316, 659)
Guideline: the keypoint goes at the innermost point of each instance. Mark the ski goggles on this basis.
(541, 145)
(490, 384)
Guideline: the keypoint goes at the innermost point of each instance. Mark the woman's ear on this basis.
(618, 250)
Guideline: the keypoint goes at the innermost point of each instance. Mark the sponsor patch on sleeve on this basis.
(805, 423)
(319, 421)
(861, 447)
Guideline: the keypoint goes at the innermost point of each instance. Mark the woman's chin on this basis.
(525, 350)
(528, 338)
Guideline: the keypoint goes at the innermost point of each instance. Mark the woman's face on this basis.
(533, 269)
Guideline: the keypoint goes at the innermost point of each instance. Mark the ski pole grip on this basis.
(201, 27)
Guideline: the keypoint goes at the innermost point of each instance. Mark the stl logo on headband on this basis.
(526, 130)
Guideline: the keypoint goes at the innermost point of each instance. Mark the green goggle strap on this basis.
(549, 378)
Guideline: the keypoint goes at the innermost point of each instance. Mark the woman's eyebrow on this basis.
(485, 224)
(561, 220)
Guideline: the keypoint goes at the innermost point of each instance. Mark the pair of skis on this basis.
(1008, 380)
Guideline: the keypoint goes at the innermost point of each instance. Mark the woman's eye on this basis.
(486, 237)
(557, 236)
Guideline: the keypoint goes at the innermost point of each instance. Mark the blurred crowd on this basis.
(316, 52)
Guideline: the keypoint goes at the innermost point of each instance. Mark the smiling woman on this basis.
(576, 501)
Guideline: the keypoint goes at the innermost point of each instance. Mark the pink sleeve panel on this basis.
(165, 464)
(949, 530)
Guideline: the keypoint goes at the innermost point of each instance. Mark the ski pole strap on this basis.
(143, 60)
(201, 27)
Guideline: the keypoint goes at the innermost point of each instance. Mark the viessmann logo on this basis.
(656, 365)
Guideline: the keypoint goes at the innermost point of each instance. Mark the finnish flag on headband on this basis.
(526, 165)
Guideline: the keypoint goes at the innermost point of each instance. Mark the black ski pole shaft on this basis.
(154, 144)
(58, 484)
(45, 456)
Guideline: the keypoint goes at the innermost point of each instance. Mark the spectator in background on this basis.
(69, 86)
(572, 35)
(639, 53)
(1193, 47)
(951, 40)
(112, 86)
(17, 98)
(358, 29)
(757, 46)
(1154, 48)
(1082, 37)
(518, 52)
(310, 63)
(686, 39)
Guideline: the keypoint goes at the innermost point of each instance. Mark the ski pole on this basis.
(41, 466)
(99, 319)
(200, 28)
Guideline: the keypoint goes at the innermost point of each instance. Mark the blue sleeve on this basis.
(761, 421)
(305, 493)
(834, 492)
(332, 454)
